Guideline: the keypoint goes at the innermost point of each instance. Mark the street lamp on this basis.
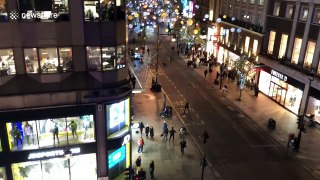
(301, 117)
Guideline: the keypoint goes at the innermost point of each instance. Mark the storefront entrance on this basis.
(277, 93)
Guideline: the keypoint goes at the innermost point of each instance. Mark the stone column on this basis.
(305, 35)
(305, 96)
(100, 121)
(293, 30)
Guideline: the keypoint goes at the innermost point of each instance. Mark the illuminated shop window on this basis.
(271, 41)
(283, 45)
(108, 58)
(276, 9)
(7, 64)
(51, 132)
(255, 47)
(117, 161)
(65, 59)
(304, 13)
(48, 60)
(293, 98)
(57, 167)
(309, 54)
(86, 164)
(31, 60)
(289, 11)
(118, 118)
(246, 44)
(296, 50)
(27, 170)
(3, 11)
(94, 58)
(121, 61)
(44, 10)
(91, 10)
(3, 173)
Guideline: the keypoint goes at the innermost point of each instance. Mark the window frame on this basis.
(281, 46)
(307, 54)
(276, 9)
(316, 19)
(287, 15)
(14, 60)
(293, 59)
(270, 48)
(301, 16)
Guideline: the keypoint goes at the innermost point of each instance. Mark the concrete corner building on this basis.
(64, 92)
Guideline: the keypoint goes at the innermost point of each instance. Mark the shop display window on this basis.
(121, 61)
(3, 173)
(293, 98)
(7, 64)
(51, 132)
(48, 60)
(91, 10)
(27, 170)
(31, 60)
(3, 11)
(94, 58)
(65, 59)
(44, 10)
(118, 118)
(108, 58)
(86, 164)
(56, 168)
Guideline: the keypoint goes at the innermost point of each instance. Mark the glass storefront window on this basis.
(51, 132)
(48, 60)
(44, 10)
(86, 164)
(7, 65)
(117, 117)
(94, 58)
(65, 57)
(27, 170)
(56, 168)
(296, 50)
(31, 60)
(3, 11)
(293, 98)
(3, 173)
(121, 61)
(108, 58)
(91, 10)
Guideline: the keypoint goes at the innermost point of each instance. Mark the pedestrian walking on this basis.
(291, 139)
(151, 169)
(205, 136)
(225, 90)
(151, 132)
(172, 131)
(148, 51)
(256, 91)
(141, 126)
(164, 126)
(140, 145)
(182, 133)
(183, 144)
(172, 48)
(205, 73)
(138, 161)
(186, 107)
(165, 134)
(147, 129)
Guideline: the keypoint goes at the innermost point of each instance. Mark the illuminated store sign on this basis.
(47, 154)
(279, 75)
(126, 139)
(117, 156)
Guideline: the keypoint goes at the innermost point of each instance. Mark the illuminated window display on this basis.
(51, 132)
(108, 58)
(7, 65)
(91, 10)
(94, 58)
(31, 60)
(117, 116)
(3, 11)
(48, 60)
(3, 173)
(118, 160)
(44, 10)
(121, 61)
(279, 90)
(57, 168)
(65, 59)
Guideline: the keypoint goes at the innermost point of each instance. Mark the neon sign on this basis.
(117, 156)
(48, 154)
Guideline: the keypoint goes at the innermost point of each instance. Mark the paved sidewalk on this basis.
(169, 162)
(260, 109)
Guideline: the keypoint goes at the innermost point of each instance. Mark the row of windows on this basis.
(57, 60)
(296, 49)
(304, 11)
(259, 2)
(58, 10)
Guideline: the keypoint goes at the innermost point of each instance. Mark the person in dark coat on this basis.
(141, 126)
(172, 131)
(183, 144)
(138, 161)
(147, 129)
(205, 136)
(151, 169)
(205, 73)
(151, 132)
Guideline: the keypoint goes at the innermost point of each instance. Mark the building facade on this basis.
(291, 52)
(64, 92)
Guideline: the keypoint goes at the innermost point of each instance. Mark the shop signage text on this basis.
(279, 75)
(126, 139)
(47, 154)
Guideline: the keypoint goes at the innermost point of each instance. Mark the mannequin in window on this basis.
(29, 65)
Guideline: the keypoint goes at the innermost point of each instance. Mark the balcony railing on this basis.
(243, 24)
